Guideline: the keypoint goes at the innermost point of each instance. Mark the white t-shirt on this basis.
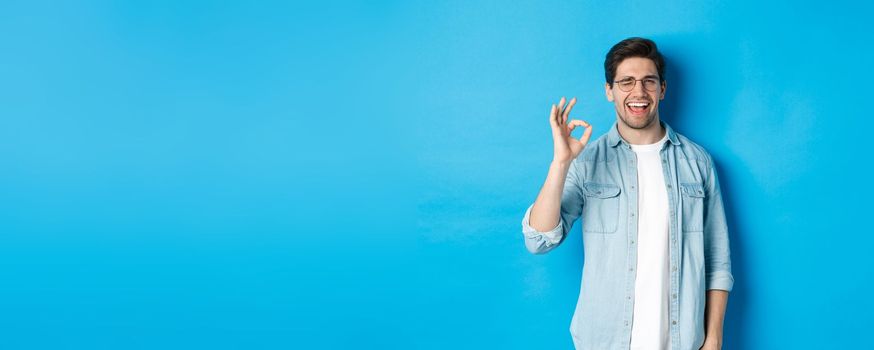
(650, 321)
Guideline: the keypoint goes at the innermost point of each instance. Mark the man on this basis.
(654, 230)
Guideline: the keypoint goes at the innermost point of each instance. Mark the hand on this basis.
(711, 345)
(566, 147)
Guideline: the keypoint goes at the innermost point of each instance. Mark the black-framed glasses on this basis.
(627, 84)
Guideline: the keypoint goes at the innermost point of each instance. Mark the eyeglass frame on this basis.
(641, 81)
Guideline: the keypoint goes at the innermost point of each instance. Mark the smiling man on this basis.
(657, 267)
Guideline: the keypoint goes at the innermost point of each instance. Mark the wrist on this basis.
(561, 164)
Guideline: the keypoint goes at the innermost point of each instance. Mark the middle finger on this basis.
(567, 110)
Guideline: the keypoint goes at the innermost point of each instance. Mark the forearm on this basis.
(547, 207)
(714, 313)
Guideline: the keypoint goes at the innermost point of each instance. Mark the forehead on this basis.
(637, 67)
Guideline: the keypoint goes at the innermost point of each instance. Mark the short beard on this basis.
(646, 122)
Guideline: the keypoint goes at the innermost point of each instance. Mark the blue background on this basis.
(347, 175)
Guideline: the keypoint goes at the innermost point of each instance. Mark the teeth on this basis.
(637, 104)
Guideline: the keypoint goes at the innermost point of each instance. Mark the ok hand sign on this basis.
(566, 147)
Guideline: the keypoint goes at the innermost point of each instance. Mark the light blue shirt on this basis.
(600, 188)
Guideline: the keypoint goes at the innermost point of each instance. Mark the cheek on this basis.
(619, 106)
(617, 97)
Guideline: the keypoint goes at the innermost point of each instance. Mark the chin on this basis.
(638, 124)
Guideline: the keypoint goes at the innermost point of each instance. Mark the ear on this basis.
(608, 91)
(664, 87)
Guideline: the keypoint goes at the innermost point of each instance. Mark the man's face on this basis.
(639, 107)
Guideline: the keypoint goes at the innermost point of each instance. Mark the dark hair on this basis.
(632, 47)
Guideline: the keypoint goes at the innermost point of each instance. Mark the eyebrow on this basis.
(645, 77)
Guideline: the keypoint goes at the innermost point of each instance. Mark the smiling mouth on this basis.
(637, 107)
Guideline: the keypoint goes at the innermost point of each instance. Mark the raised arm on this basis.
(560, 199)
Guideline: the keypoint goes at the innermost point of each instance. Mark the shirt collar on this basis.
(613, 137)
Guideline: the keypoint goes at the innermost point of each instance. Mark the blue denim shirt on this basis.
(601, 190)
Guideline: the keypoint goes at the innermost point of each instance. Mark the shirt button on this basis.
(675, 295)
(674, 268)
(674, 322)
(632, 214)
(630, 269)
(632, 241)
(669, 186)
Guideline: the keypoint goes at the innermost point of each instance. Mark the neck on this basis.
(646, 136)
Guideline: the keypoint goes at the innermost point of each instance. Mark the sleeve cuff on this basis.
(722, 280)
(552, 236)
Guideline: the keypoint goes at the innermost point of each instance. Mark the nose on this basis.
(638, 88)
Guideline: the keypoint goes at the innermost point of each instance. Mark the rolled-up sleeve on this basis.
(717, 253)
(572, 201)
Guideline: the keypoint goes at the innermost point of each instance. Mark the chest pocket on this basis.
(601, 210)
(693, 207)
